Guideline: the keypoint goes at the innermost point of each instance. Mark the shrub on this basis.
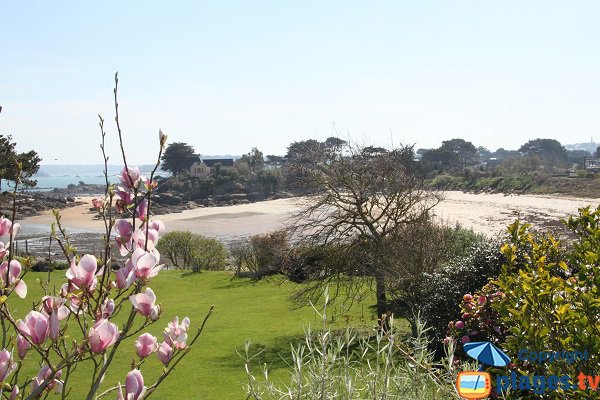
(445, 288)
(434, 265)
(551, 297)
(193, 251)
(209, 254)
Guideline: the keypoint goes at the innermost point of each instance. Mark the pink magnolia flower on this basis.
(465, 339)
(164, 353)
(3, 250)
(14, 393)
(107, 308)
(83, 275)
(139, 239)
(12, 272)
(55, 305)
(145, 263)
(155, 224)
(35, 327)
(102, 335)
(97, 203)
(142, 210)
(459, 324)
(134, 386)
(125, 277)
(123, 240)
(6, 364)
(54, 308)
(22, 346)
(130, 177)
(146, 345)
(144, 302)
(44, 374)
(176, 334)
(6, 227)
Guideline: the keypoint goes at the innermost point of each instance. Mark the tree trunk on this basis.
(382, 306)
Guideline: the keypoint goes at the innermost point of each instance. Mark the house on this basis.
(203, 168)
(592, 165)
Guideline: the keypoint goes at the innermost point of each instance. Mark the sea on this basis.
(34, 238)
(61, 176)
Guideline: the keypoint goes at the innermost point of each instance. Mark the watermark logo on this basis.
(478, 385)
(474, 385)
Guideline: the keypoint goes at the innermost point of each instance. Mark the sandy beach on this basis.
(485, 213)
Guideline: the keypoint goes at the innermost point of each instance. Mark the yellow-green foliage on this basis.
(551, 301)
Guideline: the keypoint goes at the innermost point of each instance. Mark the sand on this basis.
(485, 213)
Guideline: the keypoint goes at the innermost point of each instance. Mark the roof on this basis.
(225, 162)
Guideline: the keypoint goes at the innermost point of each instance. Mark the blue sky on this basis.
(226, 76)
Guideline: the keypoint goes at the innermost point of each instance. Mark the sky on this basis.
(227, 76)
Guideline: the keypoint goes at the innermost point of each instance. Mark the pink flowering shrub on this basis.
(479, 321)
(74, 323)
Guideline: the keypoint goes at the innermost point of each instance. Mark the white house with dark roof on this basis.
(204, 168)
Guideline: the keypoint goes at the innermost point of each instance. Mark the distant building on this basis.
(590, 147)
(592, 165)
(204, 168)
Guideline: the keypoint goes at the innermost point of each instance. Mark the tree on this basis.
(301, 158)
(254, 159)
(178, 157)
(30, 163)
(466, 153)
(552, 153)
(364, 200)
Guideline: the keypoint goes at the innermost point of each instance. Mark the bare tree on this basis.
(366, 197)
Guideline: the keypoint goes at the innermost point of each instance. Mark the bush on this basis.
(445, 288)
(196, 252)
(433, 265)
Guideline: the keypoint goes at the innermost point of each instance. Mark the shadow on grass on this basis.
(276, 355)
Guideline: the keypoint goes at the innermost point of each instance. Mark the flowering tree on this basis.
(74, 324)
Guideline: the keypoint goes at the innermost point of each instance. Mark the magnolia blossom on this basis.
(14, 393)
(130, 177)
(12, 271)
(107, 308)
(44, 374)
(35, 327)
(6, 364)
(176, 334)
(146, 345)
(125, 277)
(6, 227)
(145, 263)
(165, 353)
(124, 241)
(83, 275)
(144, 302)
(134, 386)
(22, 346)
(142, 210)
(157, 225)
(54, 308)
(143, 241)
(97, 203)
(102, 335)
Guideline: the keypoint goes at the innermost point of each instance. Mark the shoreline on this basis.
(483, 212)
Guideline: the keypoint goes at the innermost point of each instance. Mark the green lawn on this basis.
(244, 310)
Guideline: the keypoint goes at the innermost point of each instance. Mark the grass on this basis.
(244, 310)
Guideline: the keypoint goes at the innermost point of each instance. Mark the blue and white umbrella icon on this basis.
(486, 353)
